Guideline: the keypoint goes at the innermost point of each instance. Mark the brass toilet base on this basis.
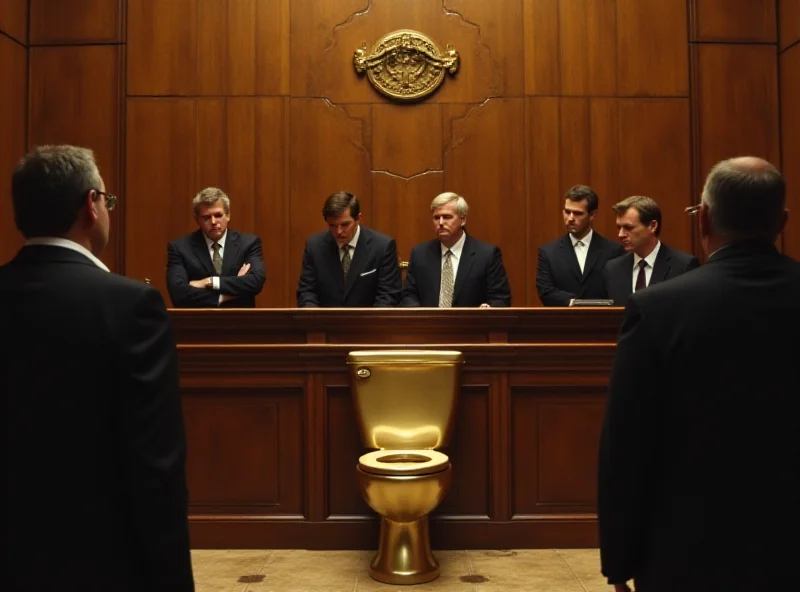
(404, 554)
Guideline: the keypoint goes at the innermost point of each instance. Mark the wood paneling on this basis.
(587, 47)
(76, 98)
(13, 114)
(14, 19)
(493, 134)
(55, 22)
(541, 47)
(734, 20)
(735, 104)
(652, 50)
(788, 22)
(407, 142)
(790, 135)
(273, 439)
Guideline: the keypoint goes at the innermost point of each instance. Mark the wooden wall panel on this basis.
(735, 104)
(13, 115)
(330, 151)
(652, 49)
(733, 20)
(325, 37)
(14, 19)
(492, 134)
(407, 141)
(655, 161)
(790, 135)
(587, 42)
(76, 98)
(541, 47)
(788, 22)
(246, 447)
(55, 22)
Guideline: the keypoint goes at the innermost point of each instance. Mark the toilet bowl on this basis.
(405, 403)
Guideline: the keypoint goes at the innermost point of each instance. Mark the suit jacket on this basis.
(95, 440)
(188, 259)
(618, 274)
(699, 451)
(373, 280)
(559, 278)
(480, 277)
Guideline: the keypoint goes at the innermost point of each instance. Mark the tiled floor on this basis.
(528, 570)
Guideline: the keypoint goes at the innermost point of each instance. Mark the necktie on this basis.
(578, 244)
(346, 261)
(446, 290)
(641, 279)
(216, 259)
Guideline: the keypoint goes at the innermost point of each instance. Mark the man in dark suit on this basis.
(95, 444)
(348, 265)
(649, 261)
(571, 267)
(214, 266)
(698, 481)
(455, 269)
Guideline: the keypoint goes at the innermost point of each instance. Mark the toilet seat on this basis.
(403, 463)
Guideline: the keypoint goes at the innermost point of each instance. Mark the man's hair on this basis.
(209, 196)
(462, 208)
(745, 202)
(647, 207)
(49, 187)
(340, 202)
(581, 192)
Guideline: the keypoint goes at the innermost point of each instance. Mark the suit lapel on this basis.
(569, 257)
(464, 266)
(595, 248)
(661, 268)
(360, 257)
(332, 262)
(230, 254)
(200, 249)
(625, 277)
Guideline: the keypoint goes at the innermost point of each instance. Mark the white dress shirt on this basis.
(456, 254)
(54, 241)
(648, 270)
(582, 249)
(352, 244)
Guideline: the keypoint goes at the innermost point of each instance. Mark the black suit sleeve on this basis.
(307, 286)
(693, 264)
(181, 293)
(628, 449)
(549, 294)
(389, 280)
(154, 444)
(498, 292)
(410, 294)
(251, 283)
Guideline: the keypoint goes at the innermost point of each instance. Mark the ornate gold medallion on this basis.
(406, 64)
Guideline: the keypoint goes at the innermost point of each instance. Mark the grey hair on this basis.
(448, 197)
(210, 196)
(746, 197)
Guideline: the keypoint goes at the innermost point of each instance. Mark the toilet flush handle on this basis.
(363, 373)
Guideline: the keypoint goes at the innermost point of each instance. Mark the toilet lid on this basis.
(403, 462)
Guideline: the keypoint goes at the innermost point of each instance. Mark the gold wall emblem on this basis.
(405, 64)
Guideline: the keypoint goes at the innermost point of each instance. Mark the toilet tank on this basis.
(405, 398)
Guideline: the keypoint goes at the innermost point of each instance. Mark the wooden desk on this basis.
(273, 442)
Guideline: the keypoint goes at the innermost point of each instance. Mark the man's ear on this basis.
(705, 221)
(463, 221)
(90, 204)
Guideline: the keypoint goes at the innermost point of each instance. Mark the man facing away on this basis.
(571, 267)
(649, 261)
(95, 444)
(698, 482)
(455, 269)
(214, 266)
(348, 265)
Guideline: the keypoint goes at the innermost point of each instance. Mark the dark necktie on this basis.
(216, 259)
(641, 279)
(346, 261)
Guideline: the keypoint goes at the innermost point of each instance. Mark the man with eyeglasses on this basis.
(214, 266)
(95, 443)
(698, 464)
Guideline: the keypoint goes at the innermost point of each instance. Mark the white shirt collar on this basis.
(55, 241)
(586, 240)
(651, 258)
(456, 248)
(221, 240)
(354, 242)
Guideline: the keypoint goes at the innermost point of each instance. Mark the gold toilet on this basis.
(405, 402)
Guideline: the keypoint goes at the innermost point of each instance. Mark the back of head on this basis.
(340, 202)
(49, 187)
(746, 199)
